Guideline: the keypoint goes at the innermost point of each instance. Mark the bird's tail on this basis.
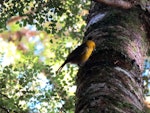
(60, 68)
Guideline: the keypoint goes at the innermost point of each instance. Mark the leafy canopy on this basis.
(29, 58)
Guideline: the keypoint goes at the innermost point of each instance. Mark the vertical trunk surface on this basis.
(110, 81)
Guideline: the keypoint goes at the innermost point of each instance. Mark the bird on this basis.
(80, 55)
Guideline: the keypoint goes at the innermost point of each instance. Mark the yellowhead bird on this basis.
(80, 55)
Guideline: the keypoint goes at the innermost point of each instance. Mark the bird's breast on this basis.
(86, 55)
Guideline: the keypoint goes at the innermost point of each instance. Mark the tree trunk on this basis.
(110, 81)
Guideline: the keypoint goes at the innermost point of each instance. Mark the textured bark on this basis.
(110, 81)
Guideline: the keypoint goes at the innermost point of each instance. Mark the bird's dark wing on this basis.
(75, 54)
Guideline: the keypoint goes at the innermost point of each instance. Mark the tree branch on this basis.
(117, 3)
(30, 12)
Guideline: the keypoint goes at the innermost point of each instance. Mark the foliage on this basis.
(28, 80)
(146, 77)
(29, 84)
(29, 58)
(44, 14)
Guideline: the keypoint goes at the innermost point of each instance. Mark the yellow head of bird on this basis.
(91, 44)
